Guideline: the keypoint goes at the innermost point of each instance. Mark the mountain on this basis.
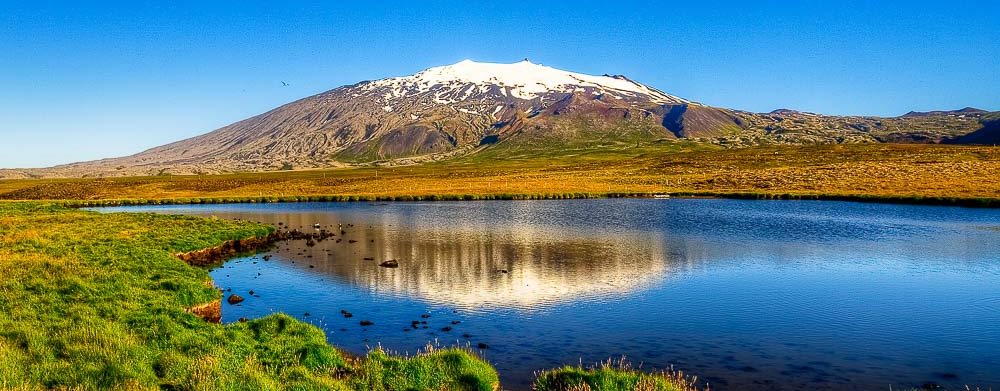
(463, 108)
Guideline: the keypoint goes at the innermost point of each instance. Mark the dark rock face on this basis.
(690, 121)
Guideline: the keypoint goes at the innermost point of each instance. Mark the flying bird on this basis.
(283, 84)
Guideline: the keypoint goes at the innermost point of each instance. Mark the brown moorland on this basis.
(878, 172)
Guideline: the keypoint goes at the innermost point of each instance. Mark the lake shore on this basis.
(100, 301)
(103, 301)
(972, 202)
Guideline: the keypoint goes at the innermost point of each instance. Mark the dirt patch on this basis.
(228, 249)
(210, 312)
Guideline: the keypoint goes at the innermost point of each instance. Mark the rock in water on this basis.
(392, 263)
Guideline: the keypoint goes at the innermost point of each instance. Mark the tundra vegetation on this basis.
(946, 174)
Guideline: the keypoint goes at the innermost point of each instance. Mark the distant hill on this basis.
(464, 108)
(988, 135)
(953, 113)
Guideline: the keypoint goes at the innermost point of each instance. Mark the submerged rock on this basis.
(234, 299)
(392, 263)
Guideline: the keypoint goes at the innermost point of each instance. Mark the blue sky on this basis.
(86, 80)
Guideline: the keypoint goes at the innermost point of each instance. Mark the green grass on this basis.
(97, 301)
(449, 369)
(612, 375)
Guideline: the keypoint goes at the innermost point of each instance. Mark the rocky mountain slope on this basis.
(462, 108)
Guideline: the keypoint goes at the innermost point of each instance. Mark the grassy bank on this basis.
(97, 301)
(612, 375)
(938, 174)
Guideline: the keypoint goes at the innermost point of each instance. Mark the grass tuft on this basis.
(613, 375)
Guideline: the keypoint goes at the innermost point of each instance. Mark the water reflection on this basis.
(523, 266)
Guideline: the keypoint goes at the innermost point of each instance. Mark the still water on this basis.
(748, 295)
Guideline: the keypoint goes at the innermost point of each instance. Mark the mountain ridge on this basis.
(452, 110)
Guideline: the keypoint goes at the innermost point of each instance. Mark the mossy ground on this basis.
(97, 301)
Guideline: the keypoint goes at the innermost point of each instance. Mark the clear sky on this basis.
(86, 80)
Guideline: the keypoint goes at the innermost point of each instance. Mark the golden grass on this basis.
(863, 171)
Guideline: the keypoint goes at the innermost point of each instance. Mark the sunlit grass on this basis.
(97, 301)
(914, 173)
(616, 375)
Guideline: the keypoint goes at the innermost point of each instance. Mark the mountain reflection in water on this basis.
(517, 265)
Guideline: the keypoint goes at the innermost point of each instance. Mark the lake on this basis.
(748, 295)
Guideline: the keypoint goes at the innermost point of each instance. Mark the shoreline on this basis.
(968, 202)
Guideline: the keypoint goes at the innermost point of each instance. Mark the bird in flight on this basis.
(283, 84)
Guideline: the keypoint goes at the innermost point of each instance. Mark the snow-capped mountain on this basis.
(523, 81)
(435, 113)
(470, 106)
